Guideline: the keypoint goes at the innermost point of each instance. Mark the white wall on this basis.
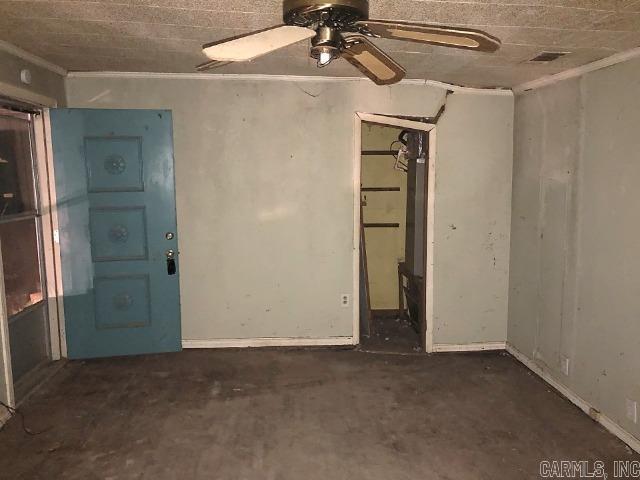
(265, 193)
(473, 218)
(575, 268)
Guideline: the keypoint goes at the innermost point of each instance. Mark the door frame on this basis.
(50, 233)
(430, 180)
(48, 227)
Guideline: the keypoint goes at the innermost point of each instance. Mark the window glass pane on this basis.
(16, 172)
(22, 284)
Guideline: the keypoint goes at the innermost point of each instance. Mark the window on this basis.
(21, 248)
(17, 190)
(18, 214)
(18, 221)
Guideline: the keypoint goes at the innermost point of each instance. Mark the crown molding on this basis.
(31, 58)
(578, 71)
(282, 78)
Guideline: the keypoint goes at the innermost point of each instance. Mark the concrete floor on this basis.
(299, 414)
(391, 335)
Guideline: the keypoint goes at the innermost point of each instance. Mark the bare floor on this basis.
(299, 414)
(391, 335)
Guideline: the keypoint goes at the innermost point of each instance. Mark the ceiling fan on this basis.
(340, 28)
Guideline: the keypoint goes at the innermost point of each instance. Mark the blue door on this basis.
(117, 231)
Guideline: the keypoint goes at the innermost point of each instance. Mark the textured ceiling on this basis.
(166, 35)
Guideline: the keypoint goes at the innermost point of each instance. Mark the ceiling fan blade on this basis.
(211, 64)
(465, 38)
(371, 61)
(252, 45)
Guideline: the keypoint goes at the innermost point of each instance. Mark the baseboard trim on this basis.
(632, 441)
(268, 342)
(468, 347)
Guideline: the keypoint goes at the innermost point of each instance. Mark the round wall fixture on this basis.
(25, 76)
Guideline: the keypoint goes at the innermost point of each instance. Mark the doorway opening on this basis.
(394, 267)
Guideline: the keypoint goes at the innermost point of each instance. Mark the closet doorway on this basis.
(394, 224)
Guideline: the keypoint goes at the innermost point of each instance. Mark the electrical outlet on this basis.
(632, 410)
(345, 300)
(564, 365)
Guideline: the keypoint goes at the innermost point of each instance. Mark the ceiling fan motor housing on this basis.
(340, 14)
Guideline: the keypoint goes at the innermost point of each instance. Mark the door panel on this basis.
(118, 233)
(116, 204)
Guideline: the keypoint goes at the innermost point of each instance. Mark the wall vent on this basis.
(548, 57)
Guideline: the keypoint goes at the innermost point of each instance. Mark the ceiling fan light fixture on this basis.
(324, 59)
(338, 29)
